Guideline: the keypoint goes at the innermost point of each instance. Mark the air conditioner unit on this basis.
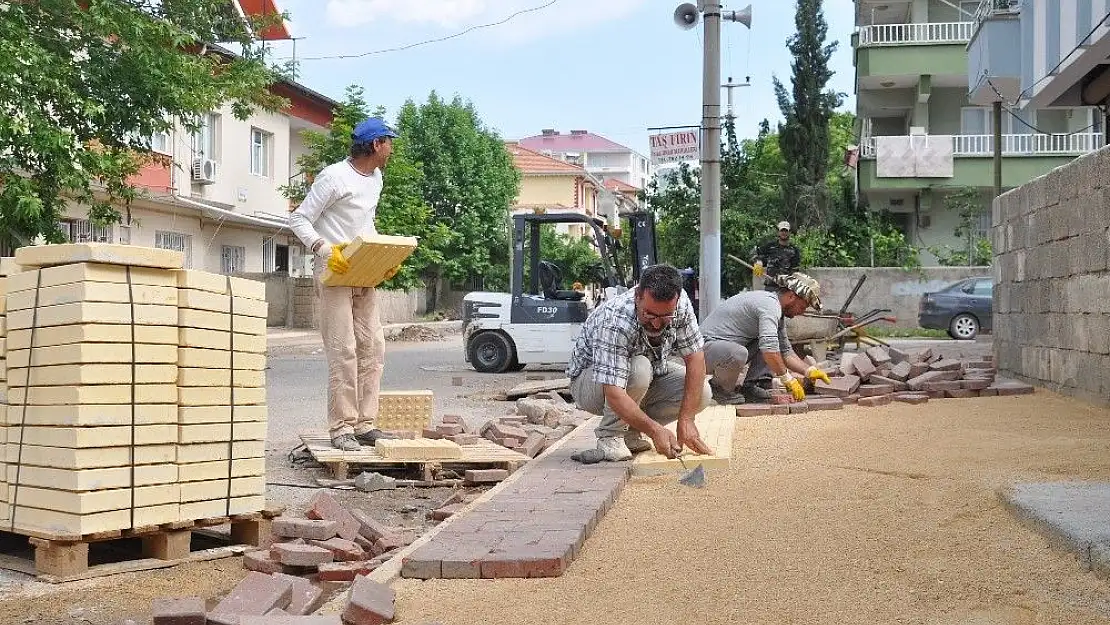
(204, 170)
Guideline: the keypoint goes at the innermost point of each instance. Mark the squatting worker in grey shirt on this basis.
(749, 329)
(621, 368)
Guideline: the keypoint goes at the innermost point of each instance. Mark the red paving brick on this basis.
(256, 595)
(485, 476)
(183, 611)
(261, 561)
(299, 555)
(534, 527)
(369, 603)
(824, 403)
(291, 527)
(838, 387)
(871, 390)
(369, 527)
(324, 506)
(342, 550)
(911, 398)
(344, 571)
(306, 597)
(877, 400)
(753, 410)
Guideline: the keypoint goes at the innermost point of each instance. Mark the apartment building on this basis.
(601, 157)
(554, 186)
(923, 134)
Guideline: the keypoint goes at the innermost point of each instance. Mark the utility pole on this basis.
(686, 16)
(997, 148)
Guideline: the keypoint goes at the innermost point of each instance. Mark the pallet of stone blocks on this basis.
(136, 393)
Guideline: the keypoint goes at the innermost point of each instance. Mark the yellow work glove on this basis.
(757, 269)
(793, 385)
(336, 262)
(813, 373)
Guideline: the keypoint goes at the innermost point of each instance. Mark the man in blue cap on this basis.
(341, 205)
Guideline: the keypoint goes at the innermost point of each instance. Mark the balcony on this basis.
(915, 34)
(1013, 145)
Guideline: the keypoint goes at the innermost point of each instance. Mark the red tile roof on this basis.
(572, 142)
(532, 162)
(620, 186)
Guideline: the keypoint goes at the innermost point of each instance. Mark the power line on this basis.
(1067, 56)
(436, 40)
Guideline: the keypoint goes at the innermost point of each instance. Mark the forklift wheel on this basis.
(491, 352)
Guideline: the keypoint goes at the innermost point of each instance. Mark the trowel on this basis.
(694, 478)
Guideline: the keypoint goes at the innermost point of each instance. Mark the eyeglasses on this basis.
(650, 316)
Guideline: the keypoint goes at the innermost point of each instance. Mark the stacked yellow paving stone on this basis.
(7, 266)
(221, 394)
(98, 437)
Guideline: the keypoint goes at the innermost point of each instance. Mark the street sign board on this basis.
(674, 147)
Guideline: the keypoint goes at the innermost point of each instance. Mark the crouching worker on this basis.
(621, 368)
(749, 329)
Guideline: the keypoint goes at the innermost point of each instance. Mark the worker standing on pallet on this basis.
(620, 368)
(776, 258)
(749, 329)
(341, 205)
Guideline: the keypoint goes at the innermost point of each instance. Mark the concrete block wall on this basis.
(887, 287)
(1051, 241)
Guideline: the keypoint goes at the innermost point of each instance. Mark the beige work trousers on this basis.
(354, 344)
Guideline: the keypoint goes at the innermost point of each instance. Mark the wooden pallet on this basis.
(338, 462)
(64, 559)
(715, 424)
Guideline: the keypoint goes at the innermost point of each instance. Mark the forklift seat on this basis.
(551, 278)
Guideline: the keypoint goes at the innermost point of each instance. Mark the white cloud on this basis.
(449, 15)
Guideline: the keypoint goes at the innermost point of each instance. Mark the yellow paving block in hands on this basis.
(95, 353)
(371, 259)
(218, 283)
(417, 449)
(715, 425)
(95, 394)
(81, 480)
(215, 339)
(95, 312)
(93, 292)
(83, 375)
(108, 253)
(94, 333)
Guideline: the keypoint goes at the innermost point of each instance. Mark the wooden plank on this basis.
(418, 449)
(78, 375)
(92, 292)
(371, 259)
(88, 272)
(319, 445)
(107, 253)
(146, 564)
(531, 388)
(92, 415)
(716, 424)
(95, 312)
(215, 339)
(93, 333)
(95, 353)
(96, 394)
(405, 411)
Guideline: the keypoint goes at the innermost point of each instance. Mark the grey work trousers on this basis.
(725, 361)
(659, 396)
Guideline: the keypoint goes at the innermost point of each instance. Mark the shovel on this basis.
(693, 478)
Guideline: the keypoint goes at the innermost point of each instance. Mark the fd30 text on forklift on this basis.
(538, 325)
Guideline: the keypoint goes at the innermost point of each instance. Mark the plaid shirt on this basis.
(613, 334)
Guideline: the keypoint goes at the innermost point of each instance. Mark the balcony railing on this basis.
(915, 34)
(1014, 145)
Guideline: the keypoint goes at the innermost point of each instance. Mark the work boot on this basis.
(755, 393)
(614, 448)
(725, 398)
(345, 442)
(371, 437)
(636, 443)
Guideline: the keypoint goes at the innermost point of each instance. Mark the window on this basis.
(161, 143)
(261, 142)
(269, 255)
(983, 230)
(183, 243)
(83, 231)
(205, 139)
(233, 259)
(983, 287)
(978, 120)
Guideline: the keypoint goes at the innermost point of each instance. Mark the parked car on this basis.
(963, 308)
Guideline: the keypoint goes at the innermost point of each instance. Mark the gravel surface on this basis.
(882, 515)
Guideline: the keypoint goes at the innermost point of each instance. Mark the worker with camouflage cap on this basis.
(749, 329)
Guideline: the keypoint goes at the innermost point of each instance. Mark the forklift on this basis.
(538, 323)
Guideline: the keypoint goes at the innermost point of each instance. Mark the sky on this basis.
(613, 67)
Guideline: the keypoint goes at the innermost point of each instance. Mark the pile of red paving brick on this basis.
(882, 375)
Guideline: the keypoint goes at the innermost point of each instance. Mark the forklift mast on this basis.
(641, 241)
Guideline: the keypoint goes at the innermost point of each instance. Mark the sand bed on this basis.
(880, 515)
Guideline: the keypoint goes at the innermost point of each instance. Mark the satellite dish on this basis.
(686, 16)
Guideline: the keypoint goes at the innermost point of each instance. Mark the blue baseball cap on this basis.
(372, 128)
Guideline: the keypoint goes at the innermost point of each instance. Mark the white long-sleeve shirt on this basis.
(341, 205)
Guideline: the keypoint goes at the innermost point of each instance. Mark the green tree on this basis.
(807, 111)
(82, 84)
(968, 203)
(470, 183)
(401, 209)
